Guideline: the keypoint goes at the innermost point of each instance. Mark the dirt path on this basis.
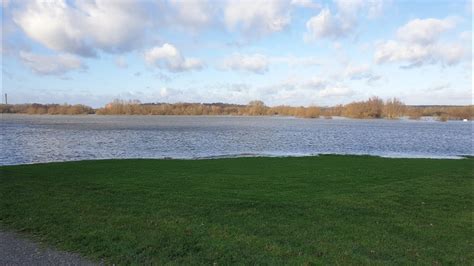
(17, 250)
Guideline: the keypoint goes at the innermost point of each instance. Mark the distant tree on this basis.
(393, 108)
(374, 107)
(371, 108)
(256, 108)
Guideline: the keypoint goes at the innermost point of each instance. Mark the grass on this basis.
(322, 210)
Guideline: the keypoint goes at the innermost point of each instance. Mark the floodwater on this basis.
(43, 138)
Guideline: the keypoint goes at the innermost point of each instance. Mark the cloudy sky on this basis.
(296, 52)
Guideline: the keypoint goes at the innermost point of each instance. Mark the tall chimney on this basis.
(6, 99)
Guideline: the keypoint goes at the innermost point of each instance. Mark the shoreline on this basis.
(403, 118)
(263, 155)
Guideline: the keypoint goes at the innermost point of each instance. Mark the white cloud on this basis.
(169, 57)
(393, 51)
(356, 70)
(305, 4)
(164, 92)
(418, 43)
(255, 63)
(313, 83)
(309, 90)
(373, 8)
(439, 87)
(326, 25)
(336, 92)
(51, 64)
(377, 7)
(417, 54)
(450, 53)
(425, 31)
(350, 7)
(360, 72)
(294, 61)
(306, 91)
(53, 25)
(87, 27)
(192, 14)
(167, 93)
(253, 18)
(339, 24)
(257, 17)
(259, 63)
(438, 95)
(292, 91)
(107, 25)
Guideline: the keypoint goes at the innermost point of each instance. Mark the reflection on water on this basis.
(30, 139)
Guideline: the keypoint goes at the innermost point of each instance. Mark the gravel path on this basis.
(17, 250)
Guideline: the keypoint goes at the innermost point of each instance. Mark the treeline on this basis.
(254, 108)
(443, 113)
(393, 108)
(42, 109)
(372, 108)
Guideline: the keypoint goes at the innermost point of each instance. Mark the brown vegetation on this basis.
(254, 108)
(414, 113)
(443, 113)
(51, 109)
(372, 108)
(393, 108)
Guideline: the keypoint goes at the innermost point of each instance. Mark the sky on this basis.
(283, 52)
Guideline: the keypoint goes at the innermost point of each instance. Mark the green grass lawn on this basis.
(327, 209)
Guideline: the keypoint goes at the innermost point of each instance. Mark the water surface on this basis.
(33, 139)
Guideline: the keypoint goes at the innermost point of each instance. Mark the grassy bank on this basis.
(328, 209)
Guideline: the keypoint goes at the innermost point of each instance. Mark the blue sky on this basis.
(295, 52)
